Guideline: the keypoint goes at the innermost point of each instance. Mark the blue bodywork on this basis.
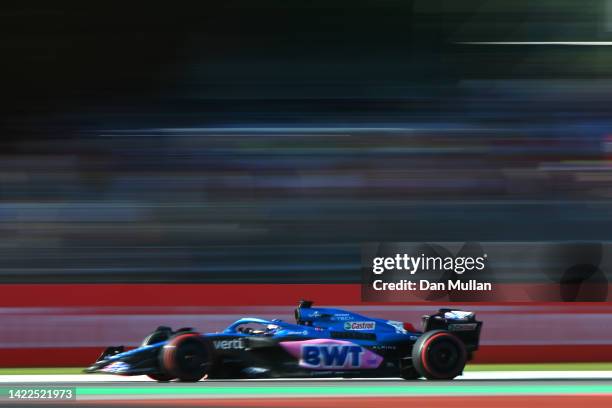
(321, 322)
(322, 342)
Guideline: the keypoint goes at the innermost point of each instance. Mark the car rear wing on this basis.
(461, 323)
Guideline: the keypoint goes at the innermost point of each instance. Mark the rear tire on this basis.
(187, 356)
(439, 355)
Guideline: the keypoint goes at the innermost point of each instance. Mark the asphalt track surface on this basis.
(477, 389)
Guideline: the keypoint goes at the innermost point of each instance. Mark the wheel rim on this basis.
(443, 356)
(191, 357)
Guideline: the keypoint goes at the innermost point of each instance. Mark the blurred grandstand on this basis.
(264, 142)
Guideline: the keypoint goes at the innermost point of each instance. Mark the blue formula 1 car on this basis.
(323, 342)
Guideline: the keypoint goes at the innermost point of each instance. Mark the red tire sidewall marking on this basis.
(169, 360)
(426, 345)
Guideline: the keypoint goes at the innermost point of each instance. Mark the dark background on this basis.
(264, 141)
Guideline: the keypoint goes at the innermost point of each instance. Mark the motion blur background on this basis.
(264, 141)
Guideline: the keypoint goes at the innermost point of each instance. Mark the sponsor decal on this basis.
(462, 326)
(359, 325)
(232, 344)
(383, 347)
(458, 315)
(327, 354)
(116, 367)
(294, 333)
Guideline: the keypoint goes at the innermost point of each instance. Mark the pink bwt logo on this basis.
(326, 354)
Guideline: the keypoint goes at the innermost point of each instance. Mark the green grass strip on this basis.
(41, 371)
(354, 391)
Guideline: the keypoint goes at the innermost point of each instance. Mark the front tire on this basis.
(160, 377)
(439, 355)
(162, 333)
(187, 356)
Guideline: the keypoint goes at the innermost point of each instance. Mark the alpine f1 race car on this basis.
(323, 342)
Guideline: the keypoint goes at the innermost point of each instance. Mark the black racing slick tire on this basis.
(439, 355)
(160, 377)
(160, 334)
(187, 356)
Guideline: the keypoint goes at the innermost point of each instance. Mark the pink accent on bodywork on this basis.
(367, 359)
